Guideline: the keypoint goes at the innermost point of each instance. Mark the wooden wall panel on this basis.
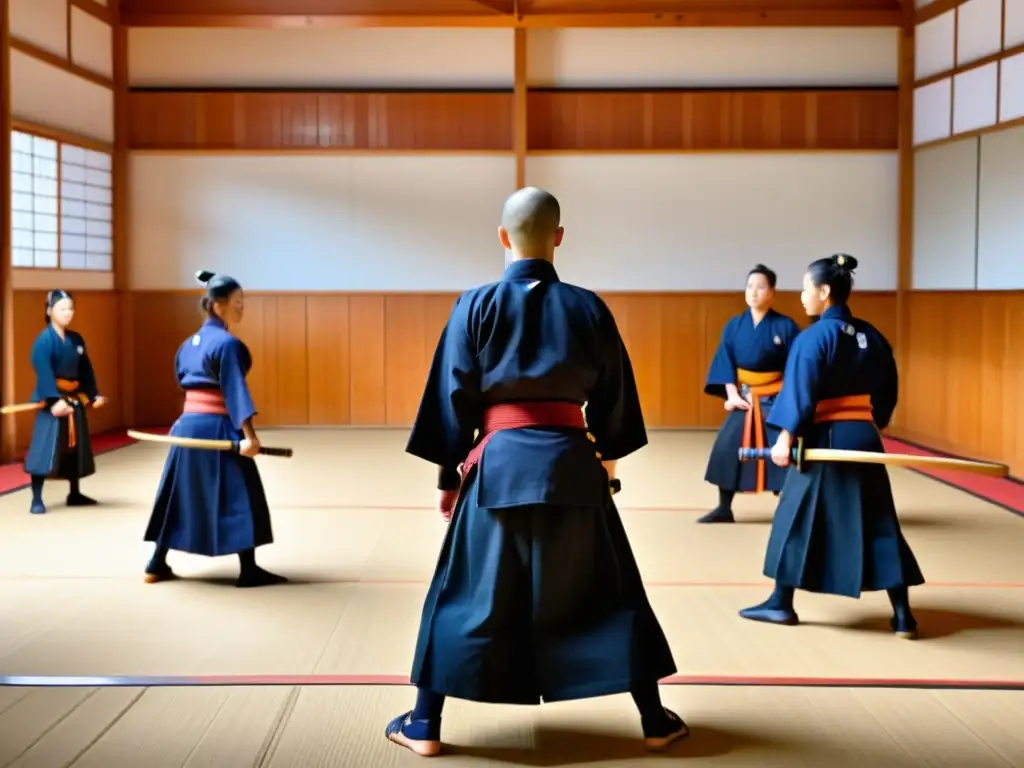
(317, 7)
(361, 359)
(330, 353)
(512, 13)
(964, 372)
(557, 120)
(96, 319)
(712, 120)
(257, 120)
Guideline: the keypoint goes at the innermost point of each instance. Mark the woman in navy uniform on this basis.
(66, 386)
(212, 502)
(746, 372)
(835, 530)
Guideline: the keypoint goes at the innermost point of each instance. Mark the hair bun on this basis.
(204, 276)
(845, 262)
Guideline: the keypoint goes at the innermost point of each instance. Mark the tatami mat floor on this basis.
(356, 533)
(282, 727)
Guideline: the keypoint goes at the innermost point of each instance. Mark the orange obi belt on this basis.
(540, 413)
(760, 385)
(209, 401)
(846, 408)
(69, 389)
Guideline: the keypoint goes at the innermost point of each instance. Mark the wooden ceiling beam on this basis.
(696, 18)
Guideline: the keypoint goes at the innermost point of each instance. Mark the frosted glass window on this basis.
(975, 97)
(935, 45)
(933, 111)
(979, 30)
(61, 205)
(33, 201)
(87, 212)
(1011, 87)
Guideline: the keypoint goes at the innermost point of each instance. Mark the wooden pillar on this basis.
(905, 252)
(8, 434)
(122, 274)
(519, 118)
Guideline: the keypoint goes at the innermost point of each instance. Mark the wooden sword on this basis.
(802, 455)
(205, 445)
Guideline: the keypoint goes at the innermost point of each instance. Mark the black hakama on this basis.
(724, 467)
(536, 594)
(537, 602)
(836, 530)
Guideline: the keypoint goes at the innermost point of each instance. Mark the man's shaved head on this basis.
(532, 217)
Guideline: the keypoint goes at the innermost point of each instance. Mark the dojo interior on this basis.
(346, 160)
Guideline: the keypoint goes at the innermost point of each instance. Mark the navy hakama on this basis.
(536, 594)
(211, 502)
(752, 358)
(836, 530)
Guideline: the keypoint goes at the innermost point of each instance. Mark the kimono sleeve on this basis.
(798, 398)
(614, 415)
(86, 373)
(233, 364)
(886, 392)
(179, 372)
(722, 370)
(450, 409)
(42, 363)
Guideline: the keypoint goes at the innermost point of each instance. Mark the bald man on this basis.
(536, 595)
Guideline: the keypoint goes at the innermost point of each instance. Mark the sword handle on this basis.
(756, 454)
(266, 450)
(283, 452)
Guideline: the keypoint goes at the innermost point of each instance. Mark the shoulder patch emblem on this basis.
(195, 340)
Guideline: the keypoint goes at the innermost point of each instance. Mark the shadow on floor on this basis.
(570, 746)
(936, 623)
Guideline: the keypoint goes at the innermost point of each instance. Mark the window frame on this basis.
(63, 141)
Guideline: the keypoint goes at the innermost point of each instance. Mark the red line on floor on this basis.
(767, 582)
(190, 681)
(428, 508)
(727, 584)
(696, 584)
(13, 477)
